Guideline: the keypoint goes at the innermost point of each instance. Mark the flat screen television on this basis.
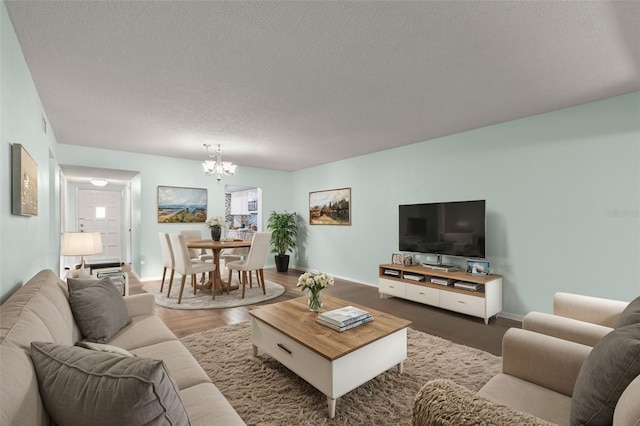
(448, 229)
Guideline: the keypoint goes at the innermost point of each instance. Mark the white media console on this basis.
(476, 295)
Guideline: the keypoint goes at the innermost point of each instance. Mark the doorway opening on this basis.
(243, 211)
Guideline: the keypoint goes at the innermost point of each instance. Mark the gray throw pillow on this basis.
(98, 308)
(84, 387)
(613, 363)
(630, 315)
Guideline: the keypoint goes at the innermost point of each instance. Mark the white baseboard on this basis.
(511, 316)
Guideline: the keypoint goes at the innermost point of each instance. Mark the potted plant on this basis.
(284, 228)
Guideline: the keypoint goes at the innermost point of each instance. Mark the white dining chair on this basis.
(186, 267)
(253, 262)
(196, 254)
(167, 259)
(194, 234)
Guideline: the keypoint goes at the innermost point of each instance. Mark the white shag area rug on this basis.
(203, 300)
(264, 392)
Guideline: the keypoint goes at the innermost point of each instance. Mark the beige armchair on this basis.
(577, 318)
(536, 386)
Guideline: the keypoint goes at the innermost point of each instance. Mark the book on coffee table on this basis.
(343, 316)
(345, 327)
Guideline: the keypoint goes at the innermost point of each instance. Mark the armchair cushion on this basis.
(612, 364)
(630, 315)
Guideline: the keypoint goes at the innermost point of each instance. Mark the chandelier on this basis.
(219, 168)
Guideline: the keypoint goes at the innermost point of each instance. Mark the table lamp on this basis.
(81, 244)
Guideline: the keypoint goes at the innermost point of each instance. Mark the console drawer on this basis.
(418, 293)
(470, 305)
(391, 287)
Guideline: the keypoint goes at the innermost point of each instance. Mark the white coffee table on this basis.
(332, 362)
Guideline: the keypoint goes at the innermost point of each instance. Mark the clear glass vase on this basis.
(314, 300)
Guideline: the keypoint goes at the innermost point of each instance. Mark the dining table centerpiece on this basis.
(215, 224)
(313, 283)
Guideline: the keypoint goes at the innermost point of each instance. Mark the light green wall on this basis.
(27, 244)
(157, 170)
(562, 191)
(553, 184)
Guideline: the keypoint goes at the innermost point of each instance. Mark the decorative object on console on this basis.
(408, 260)
(24, 182)
(397, 259)
(477, 267)
(181, 205)
(330, 207)
(314, 283)
(219, 168)
(81, 244)
(284, 229)
(215, 223)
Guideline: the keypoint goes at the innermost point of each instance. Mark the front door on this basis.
(101, 211)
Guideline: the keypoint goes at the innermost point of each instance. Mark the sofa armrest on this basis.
(565, 328)
(444, 403)
(595, 310)
(544, 360)
(140, 304)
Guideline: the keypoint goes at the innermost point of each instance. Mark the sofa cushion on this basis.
(527, 397)
(627, 411)
(98, 308)
(630, 315)
(612, 364)
(80, 386)
(39, 310)
(101, 347)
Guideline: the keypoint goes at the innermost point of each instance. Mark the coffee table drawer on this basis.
(293, 355)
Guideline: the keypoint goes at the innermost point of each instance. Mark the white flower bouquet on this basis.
(214, 222)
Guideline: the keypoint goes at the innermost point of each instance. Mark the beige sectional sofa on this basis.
(549, 378)
(40, 311)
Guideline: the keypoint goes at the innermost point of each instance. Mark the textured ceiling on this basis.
(288, 85)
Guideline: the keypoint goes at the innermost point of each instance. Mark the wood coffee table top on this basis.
(294, 319)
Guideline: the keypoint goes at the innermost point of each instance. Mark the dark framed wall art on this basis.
(24, 182)
(330, 207)
(181, 205)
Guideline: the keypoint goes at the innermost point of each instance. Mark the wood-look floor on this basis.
(458, 328)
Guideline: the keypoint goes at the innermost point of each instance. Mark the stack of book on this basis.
(344, 318)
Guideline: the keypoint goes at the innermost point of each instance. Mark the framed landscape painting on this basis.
(330, 207)
(181, 205)
(24, 182)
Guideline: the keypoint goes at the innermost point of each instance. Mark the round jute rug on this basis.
(203, 300)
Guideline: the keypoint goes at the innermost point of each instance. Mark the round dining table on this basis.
(216, 247)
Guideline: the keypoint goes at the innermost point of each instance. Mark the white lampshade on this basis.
(81, 243)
